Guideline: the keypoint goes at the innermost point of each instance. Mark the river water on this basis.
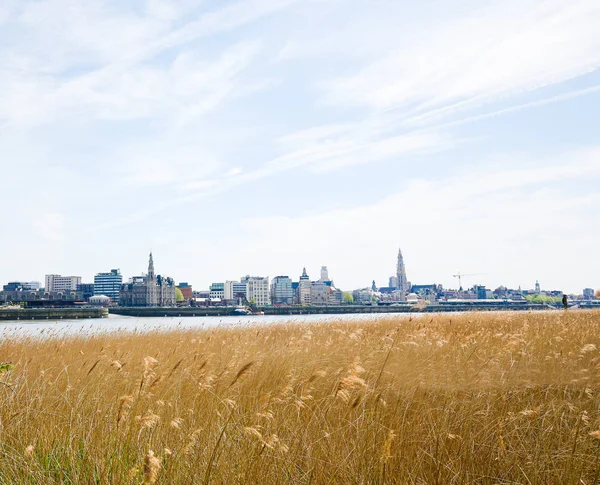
(117, 323)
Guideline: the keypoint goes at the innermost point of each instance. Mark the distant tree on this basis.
(178, 295)
(597, 293)
(542, 299)
(348, 298)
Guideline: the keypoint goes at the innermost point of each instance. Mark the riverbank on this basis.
(391, 400)
(331, 309)
(7, 314)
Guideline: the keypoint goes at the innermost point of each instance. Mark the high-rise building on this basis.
(401, 273)
(393, 282)
(108, 284)
(324, 274)
(537, 287)
(258, 290)
(282, 292)
(57, 283)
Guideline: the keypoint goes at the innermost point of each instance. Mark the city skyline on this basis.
(262, 136)
(401, 280)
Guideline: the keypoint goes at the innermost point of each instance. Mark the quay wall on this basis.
(52, 313)
(307, 310)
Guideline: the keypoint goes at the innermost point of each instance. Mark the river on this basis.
(117, 323)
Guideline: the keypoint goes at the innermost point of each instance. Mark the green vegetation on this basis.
(179, 295)
(543, 299)
(347, 297)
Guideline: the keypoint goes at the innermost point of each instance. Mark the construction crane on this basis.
(460, 276)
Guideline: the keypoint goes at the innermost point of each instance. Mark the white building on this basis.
(257, 289)
(234, 290)
(324, 274)
(56, 283)
(217, 291)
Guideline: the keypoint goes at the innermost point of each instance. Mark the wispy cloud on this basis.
(499, 50)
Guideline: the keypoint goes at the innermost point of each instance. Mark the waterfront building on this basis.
(87, 291)
(363, 296)
(217, 291)
(41, 298)
(148, 290)
(282, 292)
(108, 284)
(22, 286)
(425, 290)
(235, 291)
(403, 284)
(336, 296)
(186, 291)
(258, 289)
(324, 274)
(319, 293)
(303, 293)
(57, 283)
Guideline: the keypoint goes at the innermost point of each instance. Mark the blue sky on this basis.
(261, 136)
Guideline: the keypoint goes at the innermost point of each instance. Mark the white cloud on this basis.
(502, 49)
(511, 224)
(100, 66)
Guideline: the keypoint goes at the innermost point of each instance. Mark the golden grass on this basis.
(473, 398)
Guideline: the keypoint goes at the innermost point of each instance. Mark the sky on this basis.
(263, 136)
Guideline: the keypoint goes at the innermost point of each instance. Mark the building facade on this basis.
(282, 292)
(56, 283)
(108, 284)
(303, 292)
(258, 290)
(148, 290)
(319, 293)
(87, 291)
(217, 291)
(235, 291)
(22, 286)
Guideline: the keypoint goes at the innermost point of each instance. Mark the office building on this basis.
(22, 286)
(282, 292)
(258, 290)
(217, 291)
(87, 291)
(56, 283)
(235, 292)
(108, 284)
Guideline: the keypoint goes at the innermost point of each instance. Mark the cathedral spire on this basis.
(401, 273)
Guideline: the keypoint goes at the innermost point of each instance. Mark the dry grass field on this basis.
(472, 398)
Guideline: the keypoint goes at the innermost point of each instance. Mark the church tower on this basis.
(151, 286)
(401, 273)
